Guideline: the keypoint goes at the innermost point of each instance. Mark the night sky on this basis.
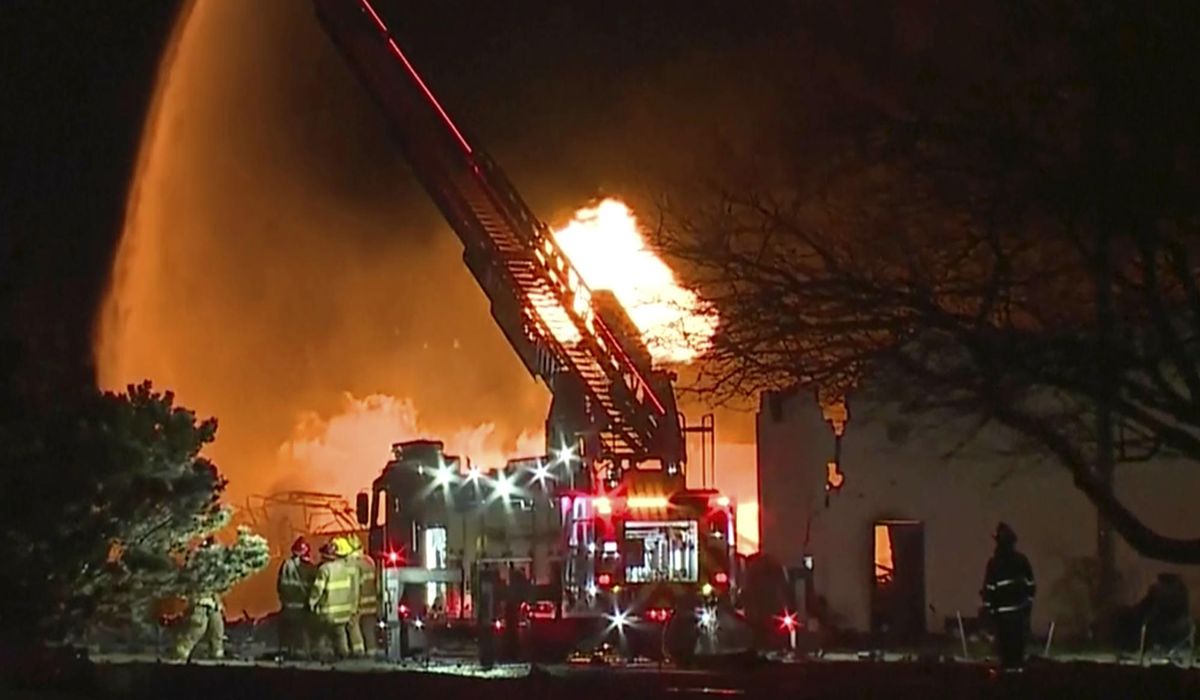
(77, 77)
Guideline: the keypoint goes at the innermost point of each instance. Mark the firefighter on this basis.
(344, 551)
(296, 576)
(486, 604)
(1008, 591)
(332, 599)
(681, 634)
(362, 628)
(205, 622)
(511, 595)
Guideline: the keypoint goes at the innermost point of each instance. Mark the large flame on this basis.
(606, 247)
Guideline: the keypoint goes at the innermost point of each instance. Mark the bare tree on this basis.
(1017, 240)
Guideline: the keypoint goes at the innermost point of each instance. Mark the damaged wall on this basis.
(894, 469)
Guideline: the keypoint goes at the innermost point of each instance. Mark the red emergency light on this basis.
(721, 578)
(658, 614)
(604, 579)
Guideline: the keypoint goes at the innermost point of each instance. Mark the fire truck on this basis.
(603, 524)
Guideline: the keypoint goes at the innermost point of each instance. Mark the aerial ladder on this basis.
(610, 406)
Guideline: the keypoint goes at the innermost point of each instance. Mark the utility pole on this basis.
(1105, 537)
(1105, 462)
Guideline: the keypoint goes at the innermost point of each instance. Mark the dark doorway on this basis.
(898, 592)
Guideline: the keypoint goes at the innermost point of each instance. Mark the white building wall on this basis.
(959, 498)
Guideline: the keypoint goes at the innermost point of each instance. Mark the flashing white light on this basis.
(419, 623)
(723, 501)
(566, 454)
(619, 619)
(505, 486)
(473, 473)
(592, 590)
(610, 547)
(443, 476)
(541, 472)
(603, 505)
(706, 617)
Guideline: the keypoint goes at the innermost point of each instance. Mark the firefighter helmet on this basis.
(341, 547)
(329, 550)
(1005, 534)
(356, 545)
(300, 547)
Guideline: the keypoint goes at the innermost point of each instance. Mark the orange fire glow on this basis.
(747, 527)
(343, 452)
(884, 563)
(606, 246)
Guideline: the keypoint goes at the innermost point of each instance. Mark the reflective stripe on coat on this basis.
(368, 591)
(333, 597)
(293, 583)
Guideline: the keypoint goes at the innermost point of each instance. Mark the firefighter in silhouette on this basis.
(333, 600)
(681, 635)
(296, 576)
(1008, 591)
(485, 614)
(514, 592)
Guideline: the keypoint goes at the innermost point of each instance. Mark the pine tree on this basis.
(123, 498)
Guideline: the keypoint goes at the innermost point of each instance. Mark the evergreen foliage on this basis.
(107, 497)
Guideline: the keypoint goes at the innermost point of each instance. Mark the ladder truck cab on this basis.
(435, 522)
